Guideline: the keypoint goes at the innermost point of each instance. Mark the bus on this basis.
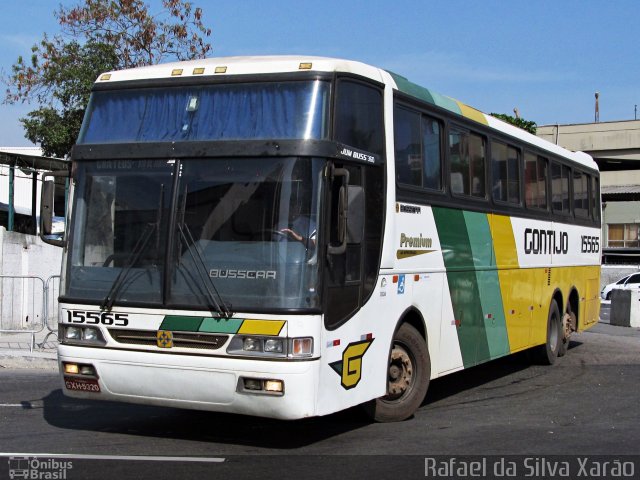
(292, 236)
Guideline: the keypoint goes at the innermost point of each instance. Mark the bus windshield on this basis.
(244, 227)
(243, 111)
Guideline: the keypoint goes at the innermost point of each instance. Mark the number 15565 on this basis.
(97, 318)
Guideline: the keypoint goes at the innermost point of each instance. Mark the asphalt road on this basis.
(587, 403)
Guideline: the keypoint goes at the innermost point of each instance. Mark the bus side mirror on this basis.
(46, 207)
(47, 200)
(341, 213)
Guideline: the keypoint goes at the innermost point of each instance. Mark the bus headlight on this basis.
(72, 333)
(80, 335)
(90, 334)
(271, 346)
(251, 344)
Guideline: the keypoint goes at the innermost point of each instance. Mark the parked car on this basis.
(629, 282)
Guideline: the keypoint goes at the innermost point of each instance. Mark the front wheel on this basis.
(408, 378)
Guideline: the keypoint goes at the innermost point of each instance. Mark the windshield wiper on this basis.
(185, 235)
(201, 267)
(142, 242)
(140, 245)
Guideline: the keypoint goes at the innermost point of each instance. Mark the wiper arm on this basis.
(142, 242)
(201, 267)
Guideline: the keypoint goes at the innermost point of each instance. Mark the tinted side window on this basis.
(580, 194)
(560, 188)
(431, 153)
(417, 149)
(407, 146)
(535, 180)
(467, 157)
(595, 198)
(359, 118)
(505, 165)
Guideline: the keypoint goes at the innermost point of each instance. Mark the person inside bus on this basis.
(302, 229)
(301, 226)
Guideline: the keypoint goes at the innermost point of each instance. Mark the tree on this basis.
(96, 36)
(527, 125)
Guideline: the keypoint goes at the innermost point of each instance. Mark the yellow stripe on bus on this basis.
(515, 283)
(472, 114)
(504, 244)
(261, 327)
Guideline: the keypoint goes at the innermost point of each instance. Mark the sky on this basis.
(547, 58)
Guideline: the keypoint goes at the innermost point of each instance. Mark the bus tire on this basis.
(568, 325)
(547, 353)
(408, 378)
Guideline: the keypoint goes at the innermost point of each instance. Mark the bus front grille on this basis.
(199, 341)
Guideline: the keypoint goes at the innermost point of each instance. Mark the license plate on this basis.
(82, 384)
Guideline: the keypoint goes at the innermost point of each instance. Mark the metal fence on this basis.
(29, 304)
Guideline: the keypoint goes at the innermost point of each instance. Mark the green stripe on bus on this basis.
(488, 284)
(410, 88)
(446, 102)
(463, 284)
(220, 325)
(178, 323)
(405, 86)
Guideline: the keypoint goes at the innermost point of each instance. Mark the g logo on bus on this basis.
(350, 367)
(164, 339)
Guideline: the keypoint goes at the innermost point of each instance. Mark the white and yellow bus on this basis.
(291, 236)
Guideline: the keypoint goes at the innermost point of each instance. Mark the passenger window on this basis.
(580, 194)
(560, 188)
(535, 183)
(595, 198)
(505, 161)
(417, 149)
(467, 156)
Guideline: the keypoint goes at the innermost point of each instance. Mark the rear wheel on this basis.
(568, 327)
(408, 378)
(548, 353)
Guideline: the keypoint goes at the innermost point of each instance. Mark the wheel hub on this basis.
(400, 373)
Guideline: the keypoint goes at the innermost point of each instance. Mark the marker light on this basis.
(274, 386)
(87, 370)
(302, 346)
(71, 368)
(261, 386)
(252, 384)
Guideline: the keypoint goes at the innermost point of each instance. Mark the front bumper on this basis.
(196, 381)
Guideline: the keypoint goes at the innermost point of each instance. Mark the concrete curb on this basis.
(31, 360)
